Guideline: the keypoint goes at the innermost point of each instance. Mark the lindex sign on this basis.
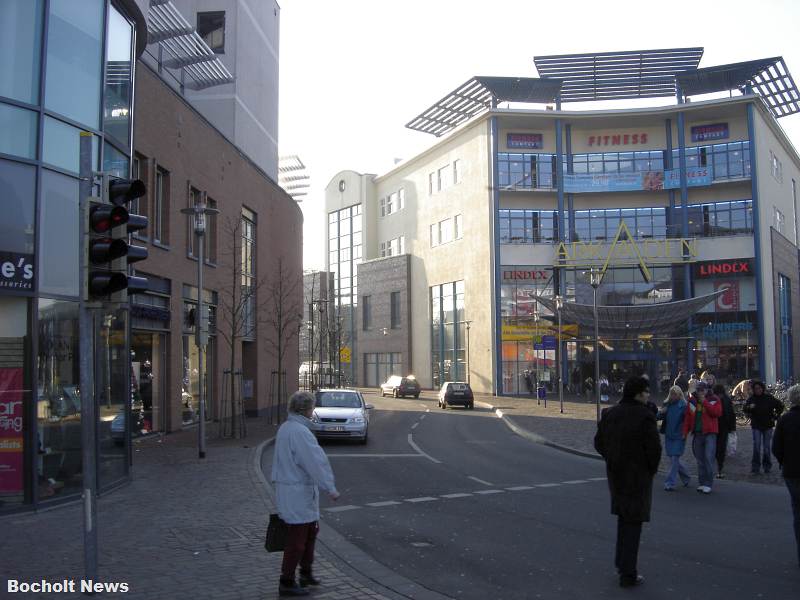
(729, 267)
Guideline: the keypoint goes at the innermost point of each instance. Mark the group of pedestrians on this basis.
(628, 440)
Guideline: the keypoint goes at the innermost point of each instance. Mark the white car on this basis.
(341, 413)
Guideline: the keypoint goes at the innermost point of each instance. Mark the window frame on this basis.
(212, 14)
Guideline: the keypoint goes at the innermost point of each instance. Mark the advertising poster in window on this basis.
(728, 301)
(11, 440)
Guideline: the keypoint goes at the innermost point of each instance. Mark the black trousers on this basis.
(722, 448)
(628, 535)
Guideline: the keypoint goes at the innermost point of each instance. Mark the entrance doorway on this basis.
(148, 379)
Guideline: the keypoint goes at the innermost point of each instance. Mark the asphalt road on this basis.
(456, 502)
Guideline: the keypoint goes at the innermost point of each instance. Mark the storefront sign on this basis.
(527, 332)
(734, 267)
(617, 139)
(717, 131)
(626, 251)
(721, 331)
(728, 300)
(638, 181)
(16, 271)
(11, 438)
(524, 140)
(530, 275)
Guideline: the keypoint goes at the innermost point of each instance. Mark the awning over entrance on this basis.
(632, 322)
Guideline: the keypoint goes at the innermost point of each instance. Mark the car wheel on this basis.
(416, 395)
(395, 394)
(363, 441)
(471, 405)
(444, 404)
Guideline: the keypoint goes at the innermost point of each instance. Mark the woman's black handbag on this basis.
(276, 534)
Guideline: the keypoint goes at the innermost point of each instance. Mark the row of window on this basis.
(155, 204)
(444, 177)
(394, 202)
(395, 313)
(522, 226)
(537, 171)
(345, 245)
(447, 230)
(394, 247)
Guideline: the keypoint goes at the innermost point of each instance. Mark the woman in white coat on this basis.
(299, 469)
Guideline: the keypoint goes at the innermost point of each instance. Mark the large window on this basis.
(785, 331)
(448, 332)
(527, 171)
(74, 59)
(345, 251)
(395, 310)
(18, 183)
(728, 161)
(20, 49)
(161, 207)
(19, 131)
(211, 27)
(58, 235)
(117, 89)
(248, 271)
(518, 226)
(366, 312)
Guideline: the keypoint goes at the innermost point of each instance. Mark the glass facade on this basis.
(786, 370)
(448, 333)
(60, 68)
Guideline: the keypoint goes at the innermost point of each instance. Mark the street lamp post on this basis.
(560, 356)
(594, 279)
(536, 352)
(199, 212)
(468, 323)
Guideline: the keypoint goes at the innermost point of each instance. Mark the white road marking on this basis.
(414, 426)
(421, 417)
(375, 456)
(485, 492)
(479, 480)
(335, 509)
(422, 499)
(423, 405)
(597, 479)
(385, 503)
(546, 485)
(459, 495)
(519, 488)
(419, 450)
(574, 481)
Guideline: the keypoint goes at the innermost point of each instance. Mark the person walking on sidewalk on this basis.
(702, 419)
(763, 409)
(786, 448)
(672, 413)
(627, 438)
(727, 426)
(299, 469)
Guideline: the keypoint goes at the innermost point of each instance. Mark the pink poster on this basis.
(11, 439)
(728, 301)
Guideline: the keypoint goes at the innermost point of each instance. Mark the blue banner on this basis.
(638, 181)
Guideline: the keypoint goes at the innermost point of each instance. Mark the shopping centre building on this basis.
(687, 210)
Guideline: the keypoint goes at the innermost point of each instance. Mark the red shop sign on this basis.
(741, 267)
(618, 139)
(530, 275)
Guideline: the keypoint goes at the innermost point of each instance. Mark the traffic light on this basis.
(108, 252)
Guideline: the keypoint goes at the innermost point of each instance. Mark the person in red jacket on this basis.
(702, 419)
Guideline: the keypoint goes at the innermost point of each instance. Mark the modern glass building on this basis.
(65, 67)
(687, 208)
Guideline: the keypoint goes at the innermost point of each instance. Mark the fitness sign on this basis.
(16, 271)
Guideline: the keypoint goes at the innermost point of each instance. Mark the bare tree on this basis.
(239, 311)
(283, 295)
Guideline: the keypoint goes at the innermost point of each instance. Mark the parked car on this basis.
(340, 413)
(400, 387)
(456, 393)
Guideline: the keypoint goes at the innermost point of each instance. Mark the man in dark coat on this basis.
(627, 438)
(763, 409)
(786, 448)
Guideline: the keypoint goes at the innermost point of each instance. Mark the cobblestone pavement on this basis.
(181, 529)
(575, 429)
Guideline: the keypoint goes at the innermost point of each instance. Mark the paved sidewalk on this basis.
(182, 529)
(574, 431)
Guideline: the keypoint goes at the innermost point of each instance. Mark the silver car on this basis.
(341, 414)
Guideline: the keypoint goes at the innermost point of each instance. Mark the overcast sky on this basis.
(354, 72)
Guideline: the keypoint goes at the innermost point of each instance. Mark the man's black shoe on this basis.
(626, 582)
(286, 588)
(307, 579)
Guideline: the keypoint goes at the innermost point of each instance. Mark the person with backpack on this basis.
(763, 410)
(672, 414)
(727, 425)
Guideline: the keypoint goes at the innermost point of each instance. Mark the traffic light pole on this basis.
(86, 364)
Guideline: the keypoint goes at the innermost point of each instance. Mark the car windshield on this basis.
(338, 400)
(458, 387)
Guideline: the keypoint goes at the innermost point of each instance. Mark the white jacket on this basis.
(299, 468)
